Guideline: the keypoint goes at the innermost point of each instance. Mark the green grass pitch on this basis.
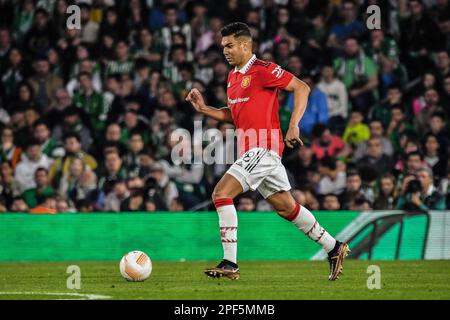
(273, 280)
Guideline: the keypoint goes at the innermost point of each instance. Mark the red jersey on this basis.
(253, 100)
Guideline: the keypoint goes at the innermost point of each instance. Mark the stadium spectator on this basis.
(434, 156)
(420, 193)
(246, 203)
(92, 102)
(8, 150)
(72, 123)
(13, 75)
(359, 75)
(72, 148)
(397, 126)
(134, 203)
(376, 131)
(330, 202)
(44, 83)
(121, 81)
(64, 206)
(316, 110)
(55, 112)
(332, 180)
(375, 158)
(160, 185)
(431, 107)
(41, 35)
(30, 161)
(385, 53)
(43, 188)
(420, 35)
(46, 205)
(89, 28)
(325, 143)
(382, 111)
(300, 164)
(349, 26)
(79, 183)
(337, 99)
(49, 146)
(9, 186)
(355, 189)
(356, 131)
(177, 205)
(307, 197)
(18, 205)
(359, 204)
(113, 168)
(438, 126)
(386, 199)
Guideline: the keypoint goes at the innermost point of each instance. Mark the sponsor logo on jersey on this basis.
(237, 100)
(245, 81)
(278, 72)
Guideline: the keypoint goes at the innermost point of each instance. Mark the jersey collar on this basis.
(247, 66)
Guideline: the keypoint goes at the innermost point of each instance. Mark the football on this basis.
(135, 266)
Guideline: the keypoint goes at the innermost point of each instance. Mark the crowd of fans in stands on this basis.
(86, 115)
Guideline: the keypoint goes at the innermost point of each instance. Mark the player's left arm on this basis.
(301, 92)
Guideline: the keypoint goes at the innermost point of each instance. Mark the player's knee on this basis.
(286, 211)
(219, 193)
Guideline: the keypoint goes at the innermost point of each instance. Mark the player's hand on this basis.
(196, 99)
(293, 137)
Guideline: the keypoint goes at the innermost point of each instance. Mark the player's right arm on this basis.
(197, 101)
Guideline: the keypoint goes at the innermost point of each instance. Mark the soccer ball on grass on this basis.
(135, 266)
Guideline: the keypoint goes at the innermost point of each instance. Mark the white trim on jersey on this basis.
(247, 66)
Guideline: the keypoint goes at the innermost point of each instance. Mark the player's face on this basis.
(234, 49)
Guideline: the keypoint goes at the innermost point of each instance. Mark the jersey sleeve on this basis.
(273, 76)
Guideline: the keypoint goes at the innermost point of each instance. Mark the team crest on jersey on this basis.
(246, 81)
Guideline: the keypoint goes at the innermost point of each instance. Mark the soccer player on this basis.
(252, 90)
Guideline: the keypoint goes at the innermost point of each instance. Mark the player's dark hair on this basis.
(236, 29)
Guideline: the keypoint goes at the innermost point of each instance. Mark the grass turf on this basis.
(272, 280)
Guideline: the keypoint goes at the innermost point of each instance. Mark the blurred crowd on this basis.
(86, 114)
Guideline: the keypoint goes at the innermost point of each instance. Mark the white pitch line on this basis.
(81, 295)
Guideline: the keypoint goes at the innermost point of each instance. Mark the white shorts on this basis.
(260, 169)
